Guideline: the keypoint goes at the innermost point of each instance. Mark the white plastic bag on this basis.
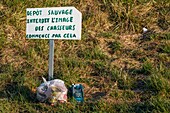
(53, 91)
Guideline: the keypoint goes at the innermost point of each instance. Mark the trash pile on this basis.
(55, 91)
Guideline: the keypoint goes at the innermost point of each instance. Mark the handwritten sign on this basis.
(53, 23)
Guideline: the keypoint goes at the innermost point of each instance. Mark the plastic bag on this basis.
(53, 91)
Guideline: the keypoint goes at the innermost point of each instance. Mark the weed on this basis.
(123, 14)
(165, 48)
(157, 83)
(152, 105)
(106, 34)
(2, 39)
(90, 53)
(147, 67)
(114, 46)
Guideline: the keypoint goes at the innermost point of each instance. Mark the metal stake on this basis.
(51, 59)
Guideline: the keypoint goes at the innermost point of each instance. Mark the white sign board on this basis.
(53, 23)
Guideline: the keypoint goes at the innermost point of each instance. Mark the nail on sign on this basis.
(53, 23)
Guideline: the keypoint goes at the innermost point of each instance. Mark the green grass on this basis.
(165, 48)
(120, 71)
(114, 46)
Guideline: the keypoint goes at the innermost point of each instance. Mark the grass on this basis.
(121, 71)
(114, 46)
(165, 48)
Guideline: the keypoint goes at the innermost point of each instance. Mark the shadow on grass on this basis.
(98, 95)
(17, 92)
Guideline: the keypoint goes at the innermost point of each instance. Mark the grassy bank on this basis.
(121, 69)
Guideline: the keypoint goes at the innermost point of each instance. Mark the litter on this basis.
(77, 92)
(54, 91)
(145, 30)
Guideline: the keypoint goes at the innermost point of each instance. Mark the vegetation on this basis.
(121, 70)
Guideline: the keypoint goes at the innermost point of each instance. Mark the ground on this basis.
(121, 68)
